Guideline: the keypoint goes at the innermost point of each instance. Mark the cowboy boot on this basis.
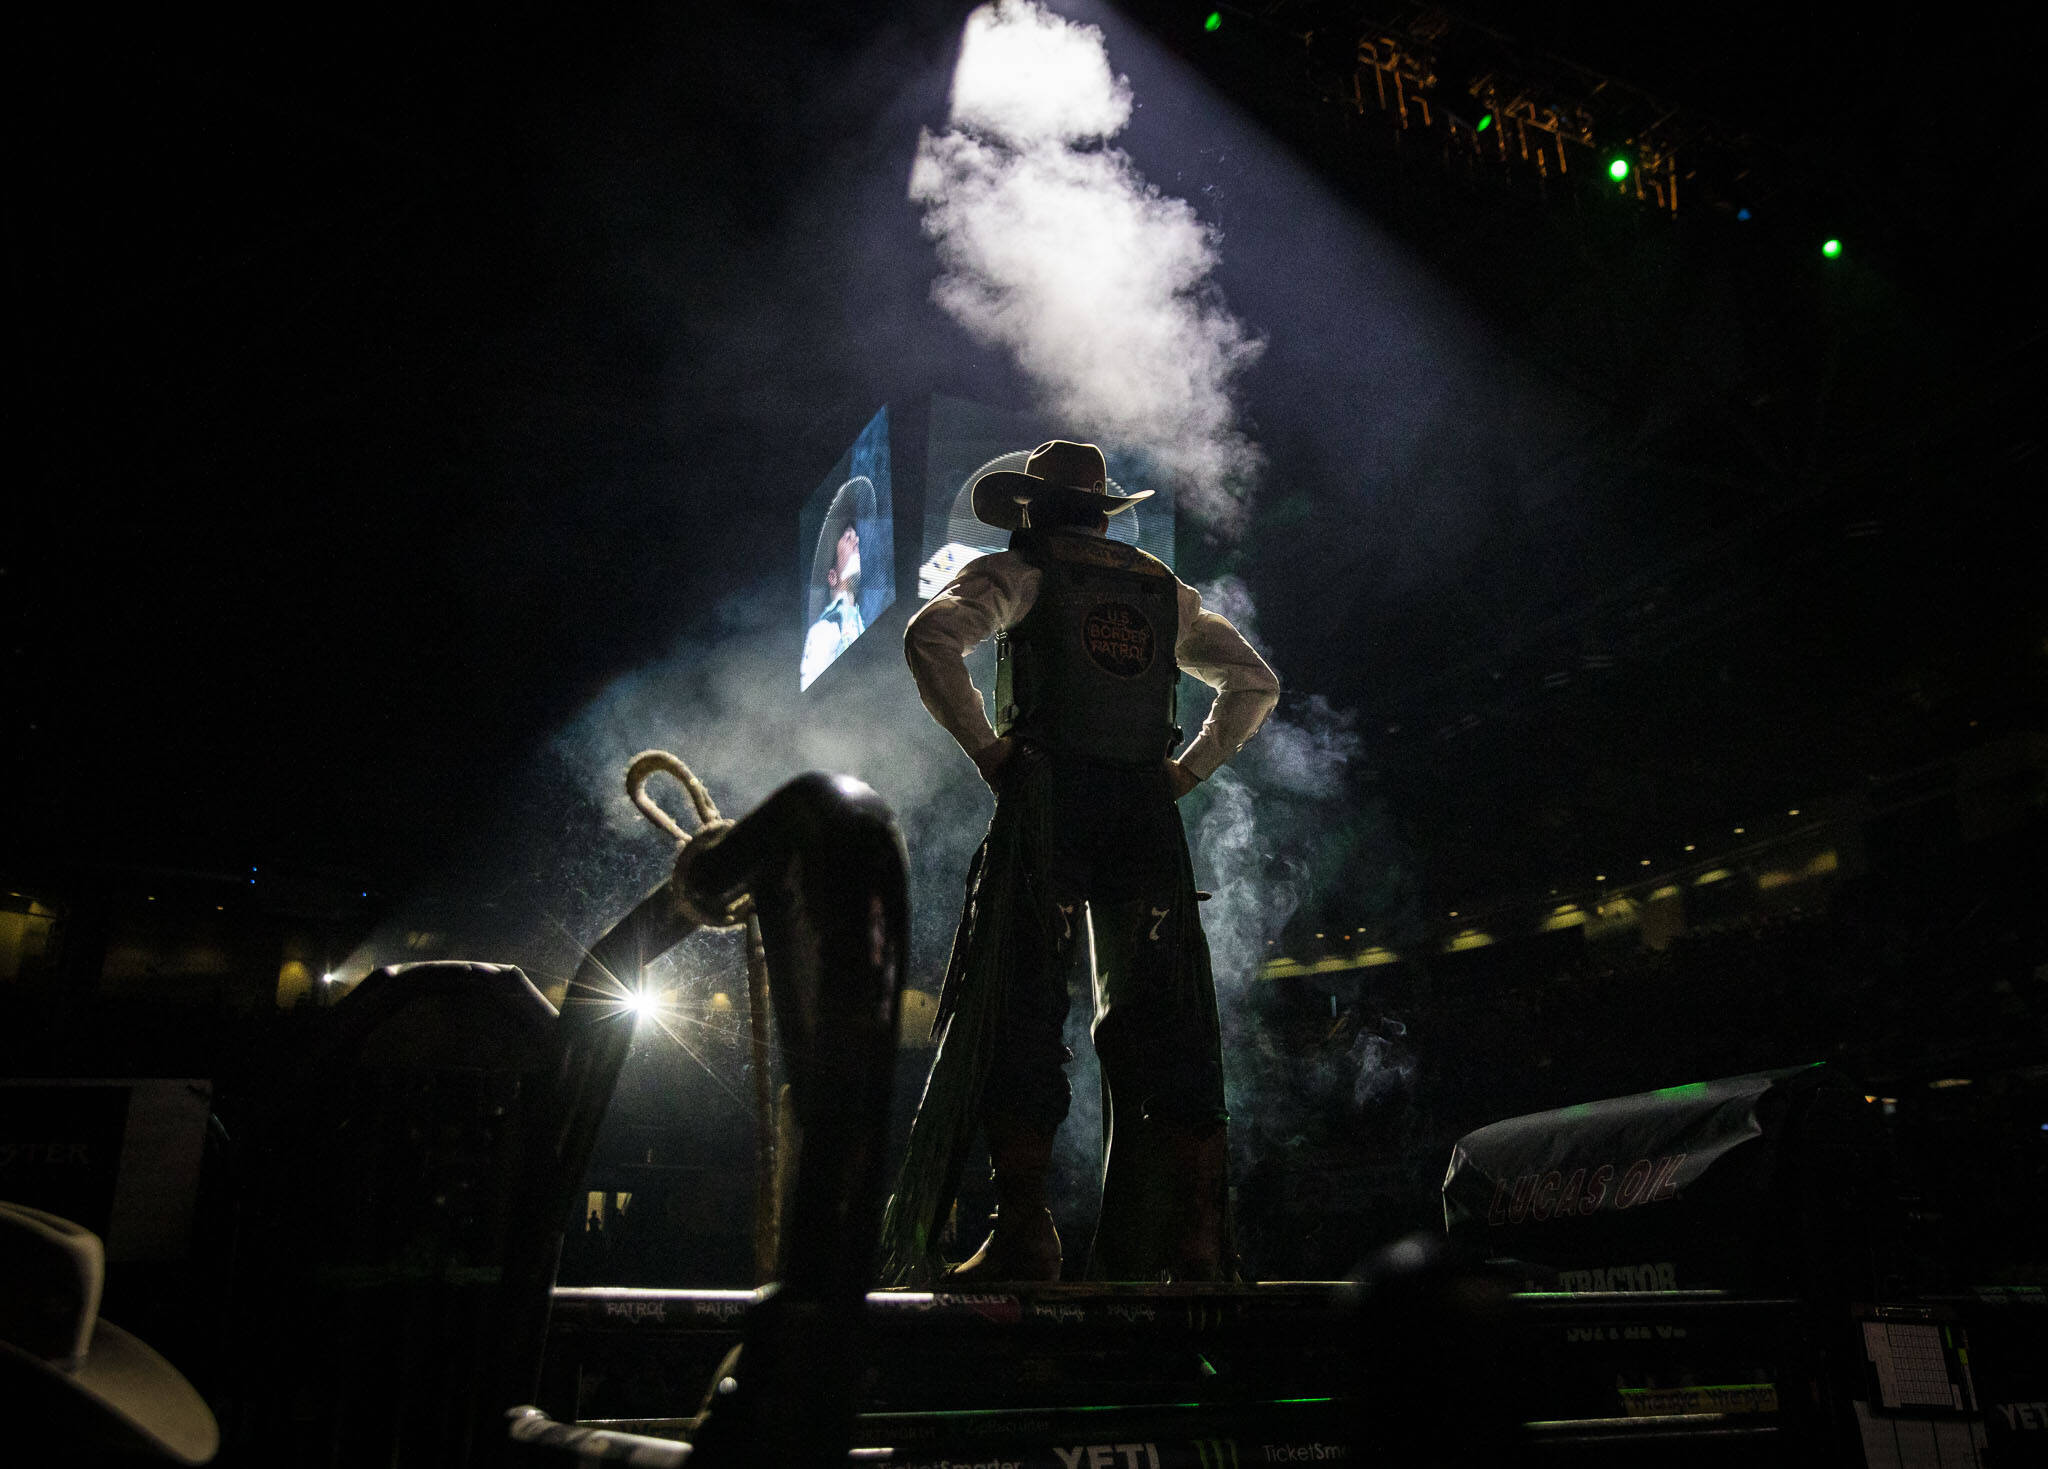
(1024, 1245)
(1199, 1155)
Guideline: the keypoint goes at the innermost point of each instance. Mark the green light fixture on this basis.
(1832, 249)
(1214, 22)
(1485, 122)
(1618, 170)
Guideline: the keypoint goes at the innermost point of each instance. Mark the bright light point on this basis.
(642, 1003)
(329, 978)
(1618, 170)
(1793, 812)
(1214, 22)
(1742, 214)
(1026, 75)
(1831, 249)
(1688, 846)
(1485, 122)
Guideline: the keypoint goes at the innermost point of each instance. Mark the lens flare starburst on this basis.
(648, 1003)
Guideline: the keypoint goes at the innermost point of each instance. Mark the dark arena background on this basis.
(1617, 426)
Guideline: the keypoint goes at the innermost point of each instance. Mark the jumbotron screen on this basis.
(967, 440)
(846, 550)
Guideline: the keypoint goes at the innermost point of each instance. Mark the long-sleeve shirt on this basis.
(993, 593)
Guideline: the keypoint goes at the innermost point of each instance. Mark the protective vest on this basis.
(1090, 668)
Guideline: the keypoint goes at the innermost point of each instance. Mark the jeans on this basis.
(1118, 866)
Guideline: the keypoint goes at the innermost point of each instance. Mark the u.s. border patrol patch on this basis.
(1119, 639)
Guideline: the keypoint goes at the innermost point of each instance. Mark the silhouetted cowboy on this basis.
(1092, 636)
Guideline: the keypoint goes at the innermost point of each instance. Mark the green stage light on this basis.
(1831, 249)
(1618, 170)
(1485, 122)
(1214, 22)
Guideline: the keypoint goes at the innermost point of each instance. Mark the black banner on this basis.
(1712, 1185)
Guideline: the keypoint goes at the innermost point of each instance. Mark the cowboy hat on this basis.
(1002, 495)
(67, 1365)
(852, 504)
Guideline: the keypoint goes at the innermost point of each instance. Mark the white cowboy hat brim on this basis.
(853, 503)
(126, 1386)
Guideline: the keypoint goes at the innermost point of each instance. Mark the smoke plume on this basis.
(1053, 246)
(1266, 840)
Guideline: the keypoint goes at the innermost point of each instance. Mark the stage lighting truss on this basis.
(1490, 101)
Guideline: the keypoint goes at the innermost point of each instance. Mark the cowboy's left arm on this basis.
(1214, 651)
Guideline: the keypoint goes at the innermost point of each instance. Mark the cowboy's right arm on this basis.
(991, 593)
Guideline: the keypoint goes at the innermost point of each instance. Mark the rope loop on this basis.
(711, 827)
(650, 762)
